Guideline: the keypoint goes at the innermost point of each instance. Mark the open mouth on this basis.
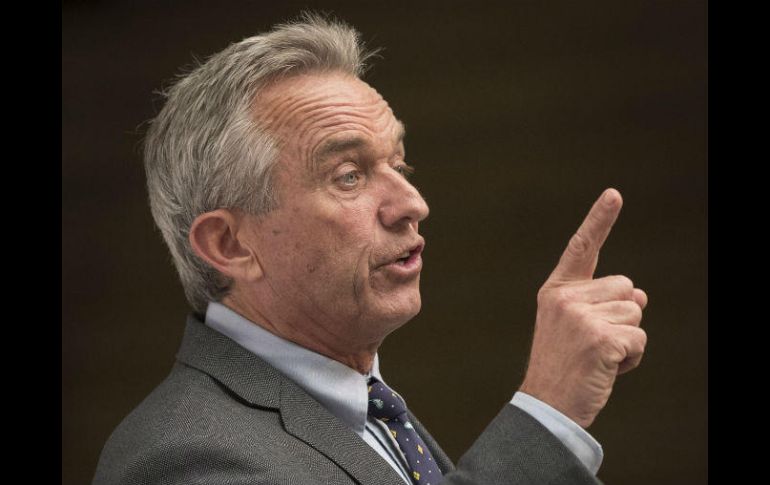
(409, 257)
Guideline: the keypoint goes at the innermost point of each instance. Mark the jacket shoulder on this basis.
(188, 430)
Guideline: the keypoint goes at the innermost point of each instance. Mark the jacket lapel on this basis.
(310, 422)
(245, 374)
(259, 384)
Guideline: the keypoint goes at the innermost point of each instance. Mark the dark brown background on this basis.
(519, 115)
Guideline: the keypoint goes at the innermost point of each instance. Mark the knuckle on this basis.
(600, 339)
(563, 306)
(624, 282)
(585, 319)
(561, 300)
(642, 338)
(568, 306)
(629, 309)
(564, 294)
(637, 342)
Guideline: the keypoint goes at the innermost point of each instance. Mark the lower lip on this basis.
(409, 268)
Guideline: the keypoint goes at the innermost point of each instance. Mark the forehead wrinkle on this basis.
(284, 109)
(327, 118)
(304, 112)
(295, 117)
(335, 97)
(355, 121)
(335, 143)
(371, 125)
(361, 110)
(367, 113)
(284, 95)
(296, 103)
(310, 126)
(280, 107)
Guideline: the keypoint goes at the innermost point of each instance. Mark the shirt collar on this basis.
(339, 388)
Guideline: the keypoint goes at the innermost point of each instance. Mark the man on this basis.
(278, 179)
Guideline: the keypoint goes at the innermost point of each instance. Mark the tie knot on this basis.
(384, 402)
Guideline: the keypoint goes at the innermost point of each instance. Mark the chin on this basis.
(387, 309)
(397, 313)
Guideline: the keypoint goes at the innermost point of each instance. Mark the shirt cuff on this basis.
(575, 438)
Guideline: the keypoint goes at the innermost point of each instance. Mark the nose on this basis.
(401, 203)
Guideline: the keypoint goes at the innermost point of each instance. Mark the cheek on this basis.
(321, 233)
(335, 245)
(343, 244)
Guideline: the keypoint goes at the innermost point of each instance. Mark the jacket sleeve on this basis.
(516, 449)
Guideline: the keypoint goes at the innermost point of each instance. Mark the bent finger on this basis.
(607, 288)
(619, 312)
(633, 340)
(640, 297)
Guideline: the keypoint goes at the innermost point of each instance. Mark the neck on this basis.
(310, 336)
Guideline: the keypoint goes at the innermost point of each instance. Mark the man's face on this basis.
(330, 252)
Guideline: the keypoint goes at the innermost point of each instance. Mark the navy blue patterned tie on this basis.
(388, 407)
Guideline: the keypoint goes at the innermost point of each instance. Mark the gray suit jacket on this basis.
(224, 416)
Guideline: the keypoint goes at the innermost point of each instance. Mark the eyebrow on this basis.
(340, 145)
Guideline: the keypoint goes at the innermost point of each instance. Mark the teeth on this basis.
(405, 254)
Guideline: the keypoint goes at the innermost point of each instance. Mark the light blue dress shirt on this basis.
(343, 390)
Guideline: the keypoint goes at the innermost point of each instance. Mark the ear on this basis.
(221, 238)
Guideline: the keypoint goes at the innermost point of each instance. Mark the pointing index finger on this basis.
(579, 259)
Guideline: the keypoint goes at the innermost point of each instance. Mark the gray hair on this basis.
(206, 150)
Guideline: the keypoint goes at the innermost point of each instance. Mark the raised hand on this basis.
(587, 330)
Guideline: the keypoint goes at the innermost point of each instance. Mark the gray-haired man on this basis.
(278, 179)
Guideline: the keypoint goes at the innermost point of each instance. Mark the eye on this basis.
(404, 170)
(350, 179)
